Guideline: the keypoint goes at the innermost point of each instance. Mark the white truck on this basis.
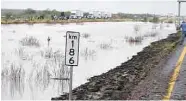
(97, 14)
(109, 15)
(76, 14)
(106, 15)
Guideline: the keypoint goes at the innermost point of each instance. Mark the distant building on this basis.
(76, 14)
(85, 14)
(102, 14)
(97, 14)
(109, 15)
(106, 15)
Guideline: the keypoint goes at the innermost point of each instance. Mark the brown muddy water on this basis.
(28, 64)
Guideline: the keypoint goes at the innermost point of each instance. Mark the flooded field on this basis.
(30, 67)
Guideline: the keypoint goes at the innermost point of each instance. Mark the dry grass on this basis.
(13, 71)
(137, 39)
(54, 66)
(134, 40)
(22, 54)
(87, 53)
(15, 75)
(152, 34)
(105, 46)
(136, 28)
(30, 41)
(85, 35)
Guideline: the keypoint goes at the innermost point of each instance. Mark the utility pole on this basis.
(179, 9)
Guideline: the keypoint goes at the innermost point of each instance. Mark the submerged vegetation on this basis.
(13, 72)
(136, 28)
(105, 46)
(30, 41)
(137, 39)
(51, 65)
(87, 53)
(85, 35)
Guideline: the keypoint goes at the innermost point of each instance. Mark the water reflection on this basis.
(13, 78)
(17, 87)
(79, 23)
(88, 54)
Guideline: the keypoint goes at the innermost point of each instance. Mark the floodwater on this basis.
(27, 71)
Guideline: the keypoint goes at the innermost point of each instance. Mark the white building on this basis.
(109, 15)
(97, 14)
(102, 14)
(76, 14)
(106, 15)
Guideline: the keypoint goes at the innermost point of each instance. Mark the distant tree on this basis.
(170, 21)
(29, 11)
(45, 14)
(67, 13)
(62, 14)
(8, 15)
(155, 19)
(145, 19)
(55, 12)
(41, 17)
(47, 11)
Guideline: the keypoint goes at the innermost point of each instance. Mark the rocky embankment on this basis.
(118, 83)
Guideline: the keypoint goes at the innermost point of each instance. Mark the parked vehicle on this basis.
(109, 15)
(97, 14)
(85, 14)
(106, 15)
(90, 16)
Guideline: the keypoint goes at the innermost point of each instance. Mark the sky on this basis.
(162, 7)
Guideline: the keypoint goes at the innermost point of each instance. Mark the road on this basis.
(167, 81)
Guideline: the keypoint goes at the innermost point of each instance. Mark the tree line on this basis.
(30, 14)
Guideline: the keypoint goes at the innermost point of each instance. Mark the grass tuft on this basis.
(30, 41)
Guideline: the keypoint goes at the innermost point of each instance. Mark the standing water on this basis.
(31, 68)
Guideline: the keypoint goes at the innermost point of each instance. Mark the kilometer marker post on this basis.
(70, 85)
(72, 54)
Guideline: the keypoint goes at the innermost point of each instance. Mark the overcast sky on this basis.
(125, 6)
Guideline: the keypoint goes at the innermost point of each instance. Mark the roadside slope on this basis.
(118, 83)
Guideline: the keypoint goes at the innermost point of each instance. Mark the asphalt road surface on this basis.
(167, 81)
